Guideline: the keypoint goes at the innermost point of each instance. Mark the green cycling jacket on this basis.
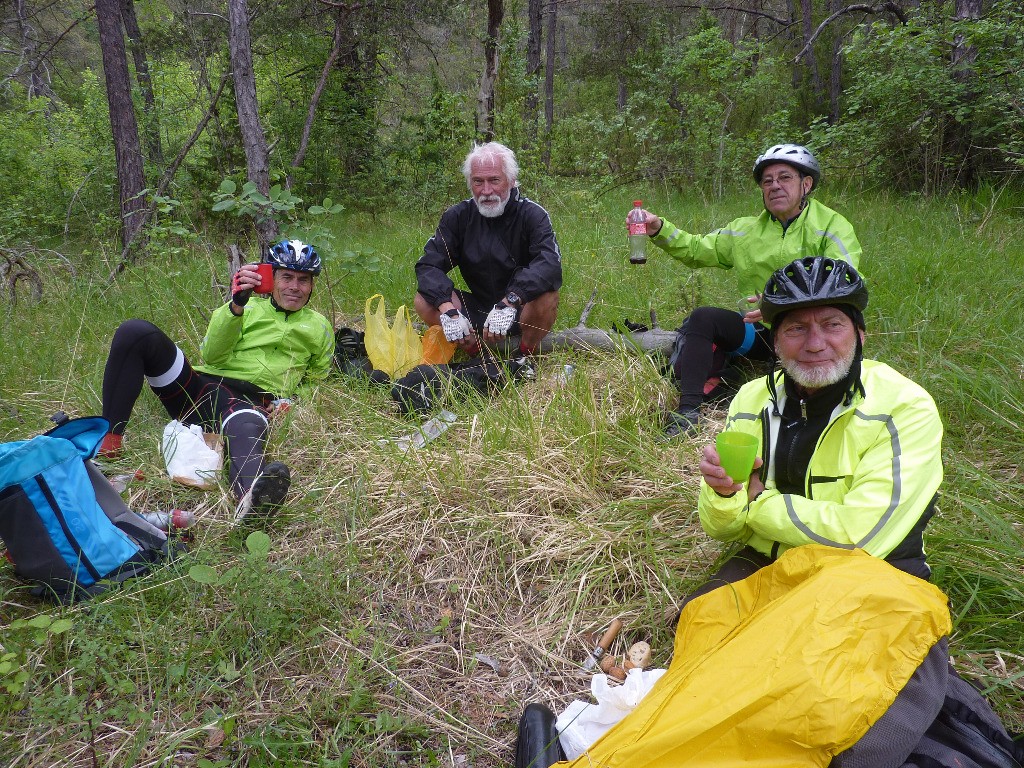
(874, 471)
(273, 349)
(755, 246)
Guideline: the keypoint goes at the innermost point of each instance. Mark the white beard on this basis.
(491, 206)
(817, 377)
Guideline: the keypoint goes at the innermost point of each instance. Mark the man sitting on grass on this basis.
(256, 353)
(793, 224)
(505, 249)
(850, 449)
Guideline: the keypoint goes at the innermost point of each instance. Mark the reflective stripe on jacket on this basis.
(755, 246)
(874, 471)
(268, 347)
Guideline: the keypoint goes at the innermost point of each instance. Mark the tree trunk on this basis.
(835, 78)
(254, 141)
(622, 95)
(131, 181)
(485, 99)
(533, 41)
(795, 74)
(961, 130)
(35, 84)
(964, 55)
(154, 152)
(807, 28)
(549, 80)
(340, 19)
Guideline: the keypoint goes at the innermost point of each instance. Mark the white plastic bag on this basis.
(190, 459)
(582, 723)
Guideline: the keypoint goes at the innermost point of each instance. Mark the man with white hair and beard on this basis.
(849, 450)
(505, 250)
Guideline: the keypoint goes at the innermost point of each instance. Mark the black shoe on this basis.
(683, 423)
(521, 369)
(267, 493)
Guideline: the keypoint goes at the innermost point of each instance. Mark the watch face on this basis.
(513, 299)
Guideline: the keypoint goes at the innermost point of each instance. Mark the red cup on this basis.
(266, 273)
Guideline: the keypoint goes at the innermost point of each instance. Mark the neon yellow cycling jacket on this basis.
(874, 470)
(755, 246)
(273, 349)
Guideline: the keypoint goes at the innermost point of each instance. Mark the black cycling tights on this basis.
(142, 352)
(704, 341)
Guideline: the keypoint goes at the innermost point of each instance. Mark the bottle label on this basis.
(637, 228)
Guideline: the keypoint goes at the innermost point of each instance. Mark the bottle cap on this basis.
(637, 203)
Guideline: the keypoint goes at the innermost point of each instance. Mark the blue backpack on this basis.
(65, 527)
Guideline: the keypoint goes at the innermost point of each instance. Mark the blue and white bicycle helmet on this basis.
(296, 256)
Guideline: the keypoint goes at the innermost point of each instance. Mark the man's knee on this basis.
(427, 312)
(541, 312)
(246, 423)
(700, 322)
(131, 331)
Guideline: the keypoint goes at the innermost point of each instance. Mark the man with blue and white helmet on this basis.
(257, 353)
(792, 225)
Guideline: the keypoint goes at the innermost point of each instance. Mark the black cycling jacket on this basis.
(516, 251)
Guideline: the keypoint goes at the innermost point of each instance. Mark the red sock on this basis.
(110, 448)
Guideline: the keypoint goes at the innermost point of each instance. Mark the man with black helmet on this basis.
(793, 224)
(257, 353)
(849, 450)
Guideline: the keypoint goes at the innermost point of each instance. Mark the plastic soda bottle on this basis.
(637, 234)
(177, 519)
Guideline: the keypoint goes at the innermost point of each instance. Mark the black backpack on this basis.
(427, 387)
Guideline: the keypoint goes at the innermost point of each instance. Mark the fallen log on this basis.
(583, 337)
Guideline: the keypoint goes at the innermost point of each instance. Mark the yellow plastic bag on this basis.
(394, 349)
(437, 350)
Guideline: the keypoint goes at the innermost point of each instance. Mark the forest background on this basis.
(139, 139)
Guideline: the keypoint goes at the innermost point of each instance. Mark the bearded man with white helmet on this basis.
(258, 354)
(792, 225)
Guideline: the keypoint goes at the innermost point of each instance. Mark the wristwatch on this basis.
(513, 299)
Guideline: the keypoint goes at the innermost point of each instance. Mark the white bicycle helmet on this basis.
(798, 156)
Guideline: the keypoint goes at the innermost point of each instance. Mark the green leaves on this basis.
(257, 545)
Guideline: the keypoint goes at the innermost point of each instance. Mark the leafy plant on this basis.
(310, 226)
(22, 638)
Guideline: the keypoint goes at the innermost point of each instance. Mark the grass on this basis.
(406, 606)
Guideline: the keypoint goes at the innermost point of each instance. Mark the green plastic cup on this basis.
(736, 451)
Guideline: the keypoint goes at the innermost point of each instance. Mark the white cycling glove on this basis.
(456, 326)
(500, 319)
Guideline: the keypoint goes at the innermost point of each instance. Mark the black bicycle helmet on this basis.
(811, 282)
(294, 255)
(798, 156)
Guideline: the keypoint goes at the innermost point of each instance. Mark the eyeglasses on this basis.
(782, 178)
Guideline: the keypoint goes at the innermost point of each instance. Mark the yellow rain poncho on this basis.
(785, 668)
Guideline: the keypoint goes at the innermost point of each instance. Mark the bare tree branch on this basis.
(751, 11)
(889, 7)
(340, 19)
(165, 180)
